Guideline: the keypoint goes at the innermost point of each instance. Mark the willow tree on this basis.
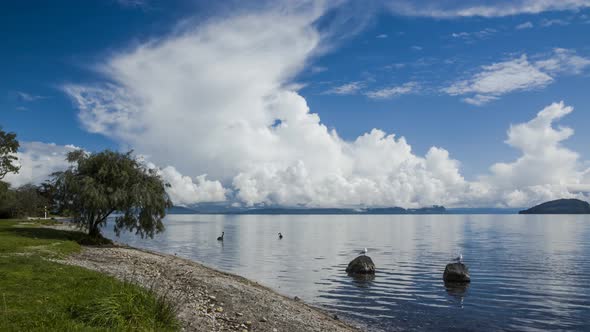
(98, 185)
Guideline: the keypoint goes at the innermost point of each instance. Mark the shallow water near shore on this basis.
(528, 272)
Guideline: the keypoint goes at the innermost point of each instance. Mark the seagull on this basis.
(363, 252)
(221, 237)
(280, 236)
(459, 258)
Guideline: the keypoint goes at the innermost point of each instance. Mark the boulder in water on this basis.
(456, 272)
(361, 265)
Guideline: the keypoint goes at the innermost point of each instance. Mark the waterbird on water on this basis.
(221, 237)
(363, 252)
(459, 258)
(280, 236)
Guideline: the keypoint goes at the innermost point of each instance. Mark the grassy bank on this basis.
(38, 294)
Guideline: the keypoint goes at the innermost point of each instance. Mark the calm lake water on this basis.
(528, 273)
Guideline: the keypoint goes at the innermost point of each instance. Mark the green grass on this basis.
(39, 295)
(28, 239)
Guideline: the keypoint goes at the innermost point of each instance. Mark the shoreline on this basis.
(207, 299)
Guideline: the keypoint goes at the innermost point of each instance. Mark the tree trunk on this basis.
(94, 231)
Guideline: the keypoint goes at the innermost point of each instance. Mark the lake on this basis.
(528, 272)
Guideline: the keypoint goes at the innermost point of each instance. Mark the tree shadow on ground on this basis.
(58, 234)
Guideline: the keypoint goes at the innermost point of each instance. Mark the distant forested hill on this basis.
(560, 206)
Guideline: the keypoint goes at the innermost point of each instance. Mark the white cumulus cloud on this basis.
(184, 190)
(37, 160)
(546, 169)
(376, 170)
(218, 100)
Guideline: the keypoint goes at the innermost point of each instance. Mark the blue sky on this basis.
(450, 75)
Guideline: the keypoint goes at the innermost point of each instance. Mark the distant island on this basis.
(560, 206)
(280, 210)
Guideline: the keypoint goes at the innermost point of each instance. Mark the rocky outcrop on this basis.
(456, 272)
(361, 265)
(560, 206)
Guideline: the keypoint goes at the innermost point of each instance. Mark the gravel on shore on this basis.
(207, 299)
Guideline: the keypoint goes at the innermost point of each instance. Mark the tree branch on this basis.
(102, 218)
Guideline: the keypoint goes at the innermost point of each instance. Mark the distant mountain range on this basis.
(180, 210)
(482, 211)
(561, 206)
(217, 209)
(224, 209)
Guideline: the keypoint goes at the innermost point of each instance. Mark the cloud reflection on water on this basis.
(533, 271)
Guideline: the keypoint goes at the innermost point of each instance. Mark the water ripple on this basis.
(529, 273)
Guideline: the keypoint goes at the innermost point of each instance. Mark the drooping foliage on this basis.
(98, 185)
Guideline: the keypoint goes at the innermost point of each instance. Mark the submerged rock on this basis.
(457, 290)
(361, 265)
(362, 280)
(456, 272)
